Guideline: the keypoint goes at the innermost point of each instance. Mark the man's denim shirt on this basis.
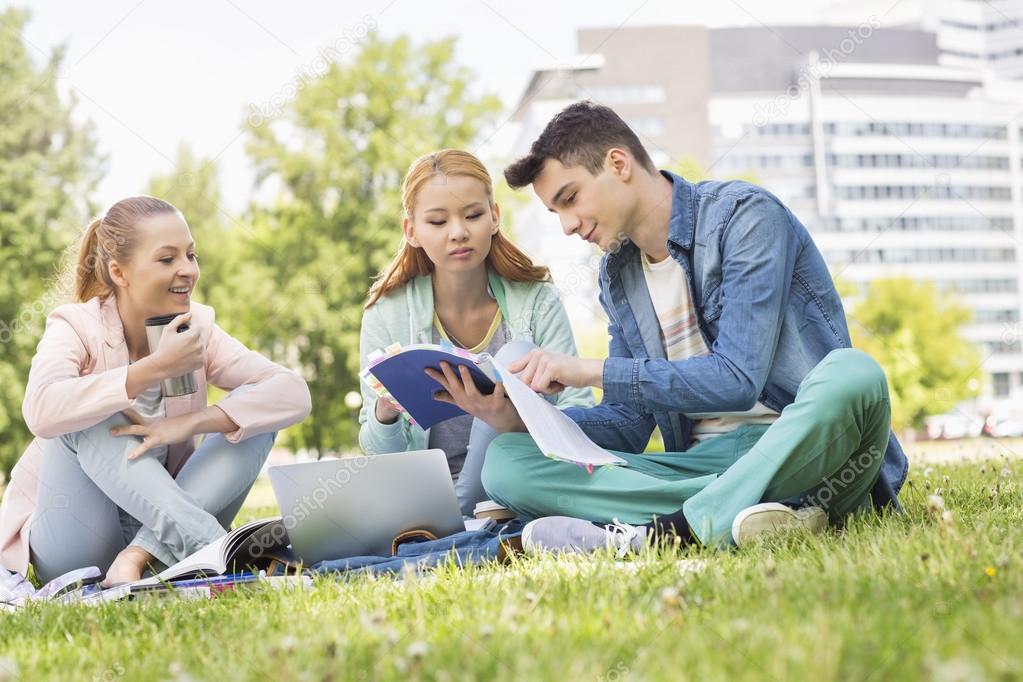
(767, 308)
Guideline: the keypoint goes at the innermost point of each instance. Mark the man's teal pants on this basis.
(826, 447)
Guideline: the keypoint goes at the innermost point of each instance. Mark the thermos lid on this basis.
(161, 320)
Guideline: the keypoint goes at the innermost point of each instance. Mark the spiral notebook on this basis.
(397, 373)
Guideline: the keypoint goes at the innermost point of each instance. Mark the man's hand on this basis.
(548, 372)
(459, 389)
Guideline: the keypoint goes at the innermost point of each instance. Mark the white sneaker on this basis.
(567, 534)
(771, 517)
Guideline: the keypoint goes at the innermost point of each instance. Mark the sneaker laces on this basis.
(620, 536)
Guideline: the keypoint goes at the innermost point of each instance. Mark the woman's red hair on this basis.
(506, 259)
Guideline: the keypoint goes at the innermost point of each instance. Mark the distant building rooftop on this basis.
(768, 59)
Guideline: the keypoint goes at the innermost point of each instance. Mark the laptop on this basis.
(356, 506)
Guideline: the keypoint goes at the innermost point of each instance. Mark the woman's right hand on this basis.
(387, 411)
(178, 353)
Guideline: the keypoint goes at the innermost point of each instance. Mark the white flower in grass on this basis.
(741, 625)
(417, 650)
(670, 596)
(935, 504)
(954, 670)
(8, 668)
(288, 644)
(510, 613)
(687, 567)
(948, 521)
(178, 672)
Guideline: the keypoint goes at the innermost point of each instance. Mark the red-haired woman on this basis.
(457, 279)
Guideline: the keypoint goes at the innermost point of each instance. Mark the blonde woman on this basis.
(113, 478)
(457, 279)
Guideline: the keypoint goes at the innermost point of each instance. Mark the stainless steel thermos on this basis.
(175, 386)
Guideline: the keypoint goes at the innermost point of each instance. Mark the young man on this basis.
(726, 333)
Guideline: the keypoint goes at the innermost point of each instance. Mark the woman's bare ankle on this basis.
(128, 566)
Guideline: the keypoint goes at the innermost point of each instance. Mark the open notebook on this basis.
(397, 373)
(252, 545)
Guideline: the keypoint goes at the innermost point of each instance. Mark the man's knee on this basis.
(856, 375)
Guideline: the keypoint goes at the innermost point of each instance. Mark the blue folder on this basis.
(404, 377)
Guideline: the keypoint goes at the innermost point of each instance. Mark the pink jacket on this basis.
(78, 379)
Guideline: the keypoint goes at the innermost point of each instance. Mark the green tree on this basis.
(48, 169)
(336, 155)
(913, 332)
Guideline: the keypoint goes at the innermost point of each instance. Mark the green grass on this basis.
(907, 597)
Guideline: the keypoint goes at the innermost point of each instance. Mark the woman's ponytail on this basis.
(90, 276)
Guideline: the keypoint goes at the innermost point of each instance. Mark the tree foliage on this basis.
(48, 167)
(913, 332)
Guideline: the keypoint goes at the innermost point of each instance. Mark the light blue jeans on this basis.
(469, 486)
(93, 501)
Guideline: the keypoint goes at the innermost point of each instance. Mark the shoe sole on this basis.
(771, 517)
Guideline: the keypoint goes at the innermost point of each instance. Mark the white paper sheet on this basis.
(555, 433)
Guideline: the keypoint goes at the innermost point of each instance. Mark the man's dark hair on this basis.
(579, 135)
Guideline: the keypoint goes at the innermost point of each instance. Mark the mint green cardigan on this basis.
(532, 311)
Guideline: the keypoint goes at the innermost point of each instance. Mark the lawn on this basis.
(924, 595)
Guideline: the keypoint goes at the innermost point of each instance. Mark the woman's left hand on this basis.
(459, 389)
(156, 432)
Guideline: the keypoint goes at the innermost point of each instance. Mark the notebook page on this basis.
(555, 433)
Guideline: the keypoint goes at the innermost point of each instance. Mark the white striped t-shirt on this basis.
(680, 334)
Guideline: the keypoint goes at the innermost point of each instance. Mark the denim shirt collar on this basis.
(681, 226)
